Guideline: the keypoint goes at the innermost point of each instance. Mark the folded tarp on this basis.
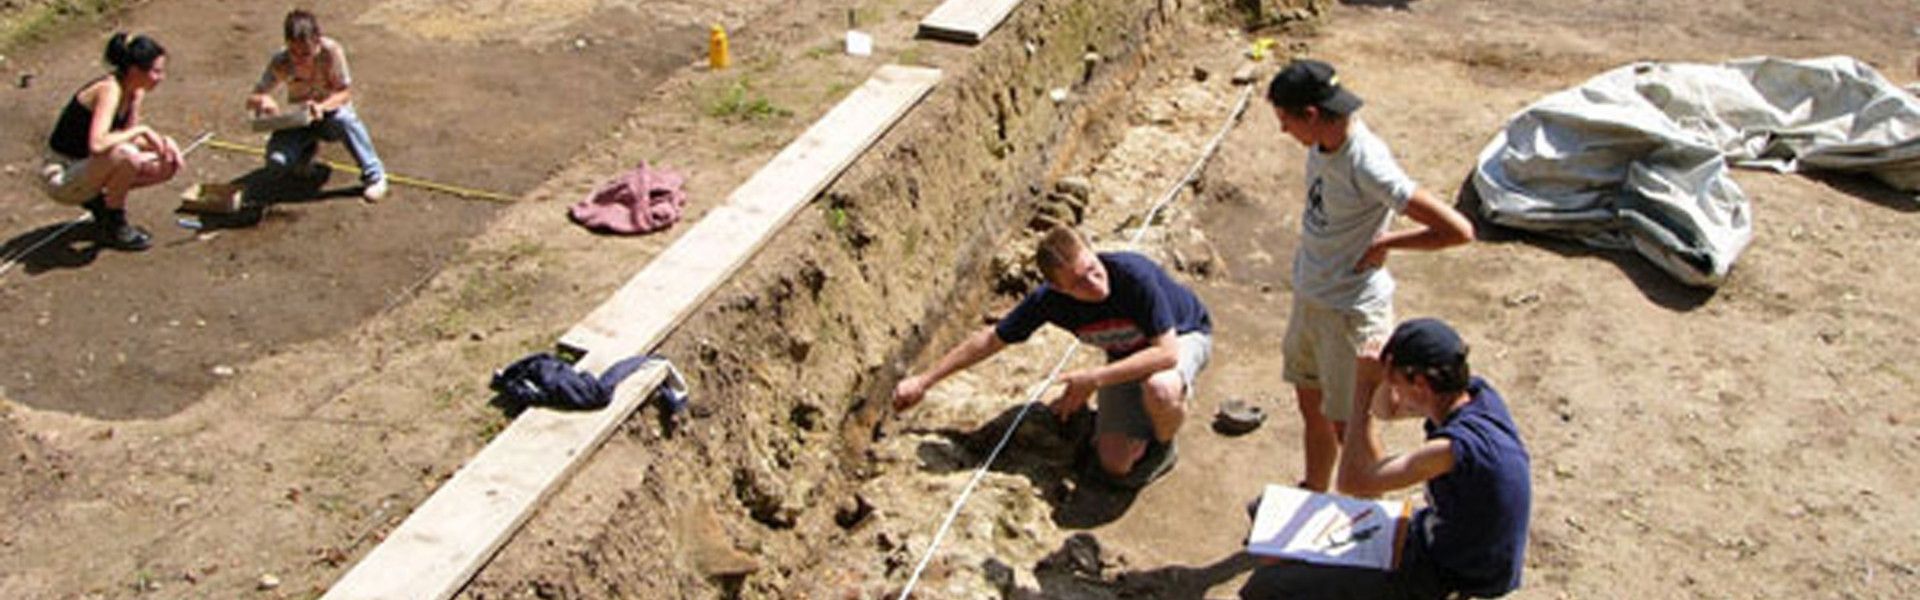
(1637, 157)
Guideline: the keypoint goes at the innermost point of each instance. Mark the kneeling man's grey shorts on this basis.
(1120, 404)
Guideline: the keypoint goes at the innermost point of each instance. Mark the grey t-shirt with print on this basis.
(1352, 195)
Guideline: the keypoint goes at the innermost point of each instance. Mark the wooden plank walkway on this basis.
(451, 535)
(966, 21)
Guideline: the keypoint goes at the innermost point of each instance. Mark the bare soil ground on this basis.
(1750, 442)
(1757, 441)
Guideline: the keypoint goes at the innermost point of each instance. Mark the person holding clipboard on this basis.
(313, 68)
(1471, 538)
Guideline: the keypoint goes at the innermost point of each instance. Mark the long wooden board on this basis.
(451, 535)
(447, 538)
(967, 21)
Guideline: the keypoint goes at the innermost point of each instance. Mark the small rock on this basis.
(267, 582)
(223, 371)
(1246, 74)
(180, 504)
(1201, 73)
(999, 575)
(1521, 299)
(579, 43)
(1058, 95)
(26, 80)
(1077, 187)
(852, 512)
(799, 347)
(477, 335)
(133, 319)
(1079, 555)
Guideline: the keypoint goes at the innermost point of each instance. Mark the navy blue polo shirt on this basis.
(1142, 303)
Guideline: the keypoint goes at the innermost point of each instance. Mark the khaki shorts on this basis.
(68, 181)
(1121, 407)
(1324, 344)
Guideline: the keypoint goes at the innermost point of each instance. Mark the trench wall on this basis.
(793, 362)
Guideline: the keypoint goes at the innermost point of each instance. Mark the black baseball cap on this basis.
(1307, 82)
(1423, 343)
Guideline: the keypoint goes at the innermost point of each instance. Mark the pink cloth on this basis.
(641, 200)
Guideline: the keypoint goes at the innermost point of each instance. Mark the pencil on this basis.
(1322, 538)
(1360, 517)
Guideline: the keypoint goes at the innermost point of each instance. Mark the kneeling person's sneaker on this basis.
(1155, 463)
(376, 191)
(124, 236)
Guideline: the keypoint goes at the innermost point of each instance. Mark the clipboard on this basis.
(1329, 529)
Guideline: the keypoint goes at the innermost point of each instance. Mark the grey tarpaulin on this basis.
(1637, 157)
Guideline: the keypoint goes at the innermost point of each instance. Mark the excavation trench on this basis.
(793, 360)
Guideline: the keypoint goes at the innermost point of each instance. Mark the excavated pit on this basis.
(794, 359)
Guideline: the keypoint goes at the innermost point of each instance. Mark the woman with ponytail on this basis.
(100, 148)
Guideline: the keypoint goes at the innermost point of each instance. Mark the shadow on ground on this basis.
(1055, 457)
(1079, 569)
(67, 245)
(1657, 285)
(262, 189)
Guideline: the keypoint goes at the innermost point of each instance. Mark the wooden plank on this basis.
(641, 313)
(966, 21)
(447, 538)
(451, 535)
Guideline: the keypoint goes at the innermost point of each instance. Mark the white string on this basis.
(1032, 399)
(939, 535)
(22, 255)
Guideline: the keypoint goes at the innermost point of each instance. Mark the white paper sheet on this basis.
(1327, 529)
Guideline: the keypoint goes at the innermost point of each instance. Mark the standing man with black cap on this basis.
(1342, 293)
(1471, 538)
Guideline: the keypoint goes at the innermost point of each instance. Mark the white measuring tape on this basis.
(1239, 107)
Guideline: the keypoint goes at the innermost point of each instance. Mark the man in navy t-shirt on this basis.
(1471, 539)
(1155, 332)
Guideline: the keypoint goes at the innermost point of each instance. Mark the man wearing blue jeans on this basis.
(314, 69)
(1156, 333)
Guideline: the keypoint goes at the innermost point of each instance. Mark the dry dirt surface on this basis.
(1753, 442)
(170, 416)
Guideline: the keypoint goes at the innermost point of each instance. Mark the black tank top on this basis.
(76, 122)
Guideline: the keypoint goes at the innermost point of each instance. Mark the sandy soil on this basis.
(1751, 442)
